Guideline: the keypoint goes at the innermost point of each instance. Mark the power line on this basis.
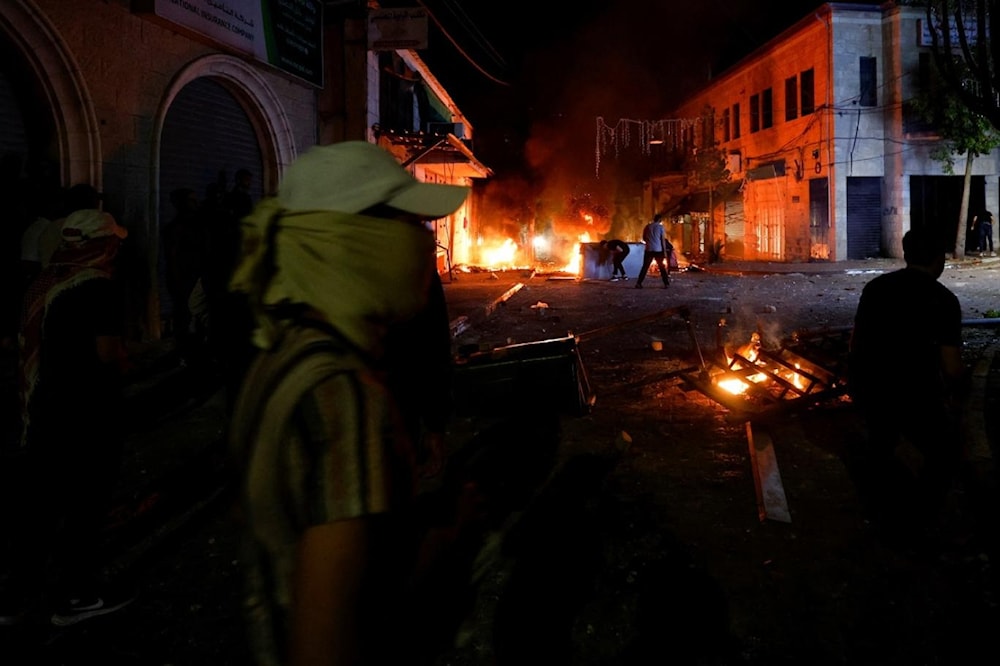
(460, 50)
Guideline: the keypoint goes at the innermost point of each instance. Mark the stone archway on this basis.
(57, 73)
(267, 117)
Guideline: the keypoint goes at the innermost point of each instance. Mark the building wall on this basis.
(843, 138)
(776, 209)
(111, 76)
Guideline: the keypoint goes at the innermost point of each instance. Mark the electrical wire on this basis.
(460, 50)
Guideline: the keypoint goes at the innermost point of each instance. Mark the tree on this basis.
(964, 54)
(963, 131)
(707, 169)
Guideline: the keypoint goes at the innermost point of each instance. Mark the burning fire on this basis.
(499, 256)
(574, 262)
(750, 353)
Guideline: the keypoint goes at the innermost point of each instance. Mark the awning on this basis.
(446, 150)
(697, 202)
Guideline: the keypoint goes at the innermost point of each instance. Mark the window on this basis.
(754, 113)
(708, 129)
(806, 91)
(869, 82)
(725, 125)
(736, 121)
(913, 120)
(767, 109)
(791, 98)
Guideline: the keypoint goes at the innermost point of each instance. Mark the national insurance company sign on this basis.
(287, 34)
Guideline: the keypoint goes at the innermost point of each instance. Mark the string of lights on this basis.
(646, 133)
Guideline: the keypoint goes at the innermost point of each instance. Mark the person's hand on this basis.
(434, 448)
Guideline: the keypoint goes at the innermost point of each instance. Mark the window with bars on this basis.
(736, 121)
(766, 109)
(754, 113)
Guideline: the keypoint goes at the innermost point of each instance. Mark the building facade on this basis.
(827, 160)
(142, 97)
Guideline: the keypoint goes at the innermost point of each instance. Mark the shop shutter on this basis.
(206, 131)
(13, 137)
(864, 218)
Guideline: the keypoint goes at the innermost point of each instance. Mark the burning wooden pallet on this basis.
(755, 381)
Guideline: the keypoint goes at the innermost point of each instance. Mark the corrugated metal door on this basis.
(13, 136)
(864, 218)
(206, 132)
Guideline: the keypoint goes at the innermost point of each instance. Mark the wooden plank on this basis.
(497, 302)
(977, 442)
(771, 502)
(459, 325)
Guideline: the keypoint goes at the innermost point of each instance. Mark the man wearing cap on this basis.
(326, 461)
(70, 371)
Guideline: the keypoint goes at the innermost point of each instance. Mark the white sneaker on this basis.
(614, 279)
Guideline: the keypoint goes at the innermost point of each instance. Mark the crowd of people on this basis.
(65, 313)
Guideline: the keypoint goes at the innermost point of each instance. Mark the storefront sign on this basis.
(391, 29)
(284, 33)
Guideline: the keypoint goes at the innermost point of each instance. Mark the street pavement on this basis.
(175, 469)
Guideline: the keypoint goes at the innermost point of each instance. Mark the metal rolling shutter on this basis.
(13, 136)
(864, 218)
(206, 131)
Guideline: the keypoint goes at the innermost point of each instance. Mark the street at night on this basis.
(636, 537)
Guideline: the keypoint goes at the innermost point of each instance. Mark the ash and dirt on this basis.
(634, 536)
(646, 545)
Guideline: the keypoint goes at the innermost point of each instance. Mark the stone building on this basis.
(827, 160)
(142, 97)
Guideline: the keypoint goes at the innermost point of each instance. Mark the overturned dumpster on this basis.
(531, 374)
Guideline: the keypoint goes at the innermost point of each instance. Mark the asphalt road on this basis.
(632, 534)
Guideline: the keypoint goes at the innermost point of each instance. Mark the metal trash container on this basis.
(547, 373)
(592, 267)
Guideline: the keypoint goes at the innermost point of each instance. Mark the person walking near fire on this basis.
(657, 247)
(618, 250)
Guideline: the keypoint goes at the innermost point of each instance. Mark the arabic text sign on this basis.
(283, 33)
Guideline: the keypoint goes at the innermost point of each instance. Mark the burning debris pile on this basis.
(753, 379)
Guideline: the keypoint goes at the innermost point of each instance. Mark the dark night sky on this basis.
(563, 67)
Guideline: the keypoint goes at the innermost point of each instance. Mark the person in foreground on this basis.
(907, 377)
(657, 246)
(72, 365)
(325, 457)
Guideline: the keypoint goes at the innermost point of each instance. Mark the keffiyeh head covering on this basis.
(310, 246)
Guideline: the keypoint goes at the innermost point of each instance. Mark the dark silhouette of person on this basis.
(71, 365)
(229, 318)
(239, 200)
(185, 243)
(618, 250)
(908, 379)
(984, 223)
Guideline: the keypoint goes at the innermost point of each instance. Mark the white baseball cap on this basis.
(353, 176)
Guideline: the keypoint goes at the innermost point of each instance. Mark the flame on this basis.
(750, 352)
(498, 256)
(574, 263)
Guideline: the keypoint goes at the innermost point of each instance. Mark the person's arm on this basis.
(327, 587)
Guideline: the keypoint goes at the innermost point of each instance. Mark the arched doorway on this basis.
(207, 137)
